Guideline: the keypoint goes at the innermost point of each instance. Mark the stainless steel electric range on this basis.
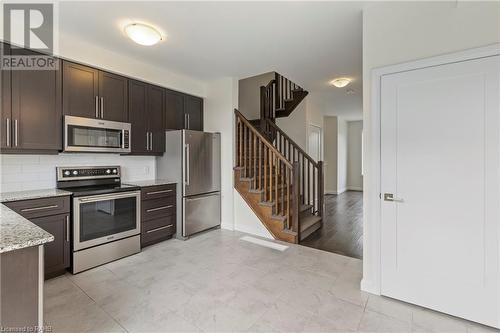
(106, 215)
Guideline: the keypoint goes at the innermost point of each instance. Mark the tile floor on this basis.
(217, 283)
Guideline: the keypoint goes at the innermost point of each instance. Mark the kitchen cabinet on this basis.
(145, 113)
(183, 111)
(53, 215)
(158, 215)
(91, 93)
(31, 109)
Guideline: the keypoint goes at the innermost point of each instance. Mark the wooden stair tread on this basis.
(309, 221)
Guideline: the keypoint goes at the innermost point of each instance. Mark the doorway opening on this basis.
(342, 229)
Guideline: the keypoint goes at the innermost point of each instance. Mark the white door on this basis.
(314, 143)
(440, 160)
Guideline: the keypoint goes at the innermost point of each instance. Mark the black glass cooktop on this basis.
(102, 189)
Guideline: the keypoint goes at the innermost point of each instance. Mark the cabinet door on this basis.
(5, 98)
(193, 108)
(156, 110)
(80, 90)
(113, 91)
(137, 116)
(174, 113)
(36, 109)
(57, 253)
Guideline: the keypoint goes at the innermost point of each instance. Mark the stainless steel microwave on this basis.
(96, 135)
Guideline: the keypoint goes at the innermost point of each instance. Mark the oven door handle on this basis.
(104, 197)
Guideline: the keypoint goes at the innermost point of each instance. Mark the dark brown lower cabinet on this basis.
(158, 213)
(52, 215)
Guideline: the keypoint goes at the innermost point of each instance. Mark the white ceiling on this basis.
(309, 42)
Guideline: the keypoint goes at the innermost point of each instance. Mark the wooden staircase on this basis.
(278, 180)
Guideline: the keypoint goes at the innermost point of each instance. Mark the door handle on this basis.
(102, 107)
(97, 107)
(8, 132)
(38, 208)
(67, 228)
(158, 208)
(187, 164)
(16, 132)
(390, 197)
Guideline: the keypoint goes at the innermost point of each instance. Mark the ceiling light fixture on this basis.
(341, 82)
(143, 34)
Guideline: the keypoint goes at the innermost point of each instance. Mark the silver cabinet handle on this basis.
(158, 208)
(102, 107)
(151, 141)
(67, 228)
(97, 107)
(8, 132)
(160, 228)
(187, 164)
(390, 197)
(189, 121)
(38, 208)
(186, 121)
(158, 192)
(147, 140)
(16, 132)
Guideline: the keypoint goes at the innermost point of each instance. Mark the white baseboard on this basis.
(355, 188)
(335, 192)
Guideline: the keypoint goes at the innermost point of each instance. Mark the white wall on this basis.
(396, 32)
(295, 125)
(249, 94)
(341, 156)
(30, 172)
(245, 219)
(330, 154)
(354, 155)
(221, 100)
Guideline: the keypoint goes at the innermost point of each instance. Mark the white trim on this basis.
(354, 188)
(372, 225)
(335, 191)
(265, 243)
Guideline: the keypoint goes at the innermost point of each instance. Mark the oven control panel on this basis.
(73, 173)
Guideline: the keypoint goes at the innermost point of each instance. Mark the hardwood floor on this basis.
(342, 230)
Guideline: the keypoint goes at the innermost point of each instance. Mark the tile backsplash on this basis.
(31, 172)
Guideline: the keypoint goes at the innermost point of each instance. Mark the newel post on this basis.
(321, 191)
(296, 198)
(262, 107)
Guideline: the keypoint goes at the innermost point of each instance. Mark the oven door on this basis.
(95, 135)
(104, 218)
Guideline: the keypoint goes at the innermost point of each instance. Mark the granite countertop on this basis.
(152, 182)
(16, 232)
(34, 194)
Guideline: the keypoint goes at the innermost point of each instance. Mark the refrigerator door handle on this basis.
(187, 157)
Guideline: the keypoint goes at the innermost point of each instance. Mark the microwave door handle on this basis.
(123, 139)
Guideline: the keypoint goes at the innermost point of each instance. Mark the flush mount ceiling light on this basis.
(341, 82)
(143, 34)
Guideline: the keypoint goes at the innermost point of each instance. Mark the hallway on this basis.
(342, 230)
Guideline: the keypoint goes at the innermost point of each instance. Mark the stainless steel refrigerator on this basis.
(192, 159)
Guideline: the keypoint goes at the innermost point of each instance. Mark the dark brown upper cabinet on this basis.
(183, 111)
(31, 110)
(146, 113)
(92, 93)
(193, 113)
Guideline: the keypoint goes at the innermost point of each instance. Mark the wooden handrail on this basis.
(263, 139)
(296, 146)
